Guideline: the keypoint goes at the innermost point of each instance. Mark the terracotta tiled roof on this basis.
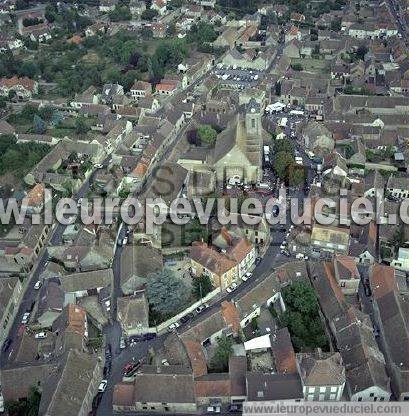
(213, 385)
(231, 315)
(25, 82)
(197, 358)
(123, 394)
(76, 319)
(211, 259)
(76, 39)
(382, 279)
(283, 352)
(35, 196)
(167, 85)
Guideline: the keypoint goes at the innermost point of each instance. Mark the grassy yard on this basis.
(310, 64)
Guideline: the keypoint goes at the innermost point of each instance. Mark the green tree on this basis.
(50, 13)
(202, 285)
(40, 127)
(28, 113)
(297, 67)
(25, 407)
(81, 126)
(121, 13)
(282, 161)
(46, 113)
(149, 14)
(302, 317)
(171, 30)
(207, 134)
(296, 175)
(336, 25)
(166, 293)
(202, 33)
(28, 69)
(126, 51)
(361, 52)
(220, 359)
(283, 145)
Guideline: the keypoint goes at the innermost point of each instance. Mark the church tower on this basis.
(253, 119)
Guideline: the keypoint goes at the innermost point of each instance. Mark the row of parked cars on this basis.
(186, 318)
(234, 285)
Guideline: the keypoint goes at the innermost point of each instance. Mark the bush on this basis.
(302, 317)
(207, 134)
(297, 67)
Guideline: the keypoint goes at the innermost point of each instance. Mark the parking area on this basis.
(239, 78)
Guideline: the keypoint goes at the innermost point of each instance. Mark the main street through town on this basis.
(271, 259)
(112, 332)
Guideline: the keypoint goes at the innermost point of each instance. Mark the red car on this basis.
(128, 367)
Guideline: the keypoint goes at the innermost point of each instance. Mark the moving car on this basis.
(102, 386)
(98, 166)
(37, 285)
(40, 335)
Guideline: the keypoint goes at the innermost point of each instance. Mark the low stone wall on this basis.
(192, 307)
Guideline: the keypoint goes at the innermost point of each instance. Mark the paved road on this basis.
(399, 20)
(30, 293)
(270, 260)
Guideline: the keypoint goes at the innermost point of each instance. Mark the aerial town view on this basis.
(204, 207)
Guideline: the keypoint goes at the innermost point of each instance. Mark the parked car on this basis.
(367, 290)
(128, 367)
(40, 335)
(6, 344)
(213, 409)
(37, 285)
(108, 352)
(186, 318)
(107, 369)
(102, 386)
(202, 307)
(232, 287)
(122, 343)
(173, 327)
(132, 367)
(258, 260)
(98, 166)
(244, 278)
(24, 320)
(233, 408)
(143, 337)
